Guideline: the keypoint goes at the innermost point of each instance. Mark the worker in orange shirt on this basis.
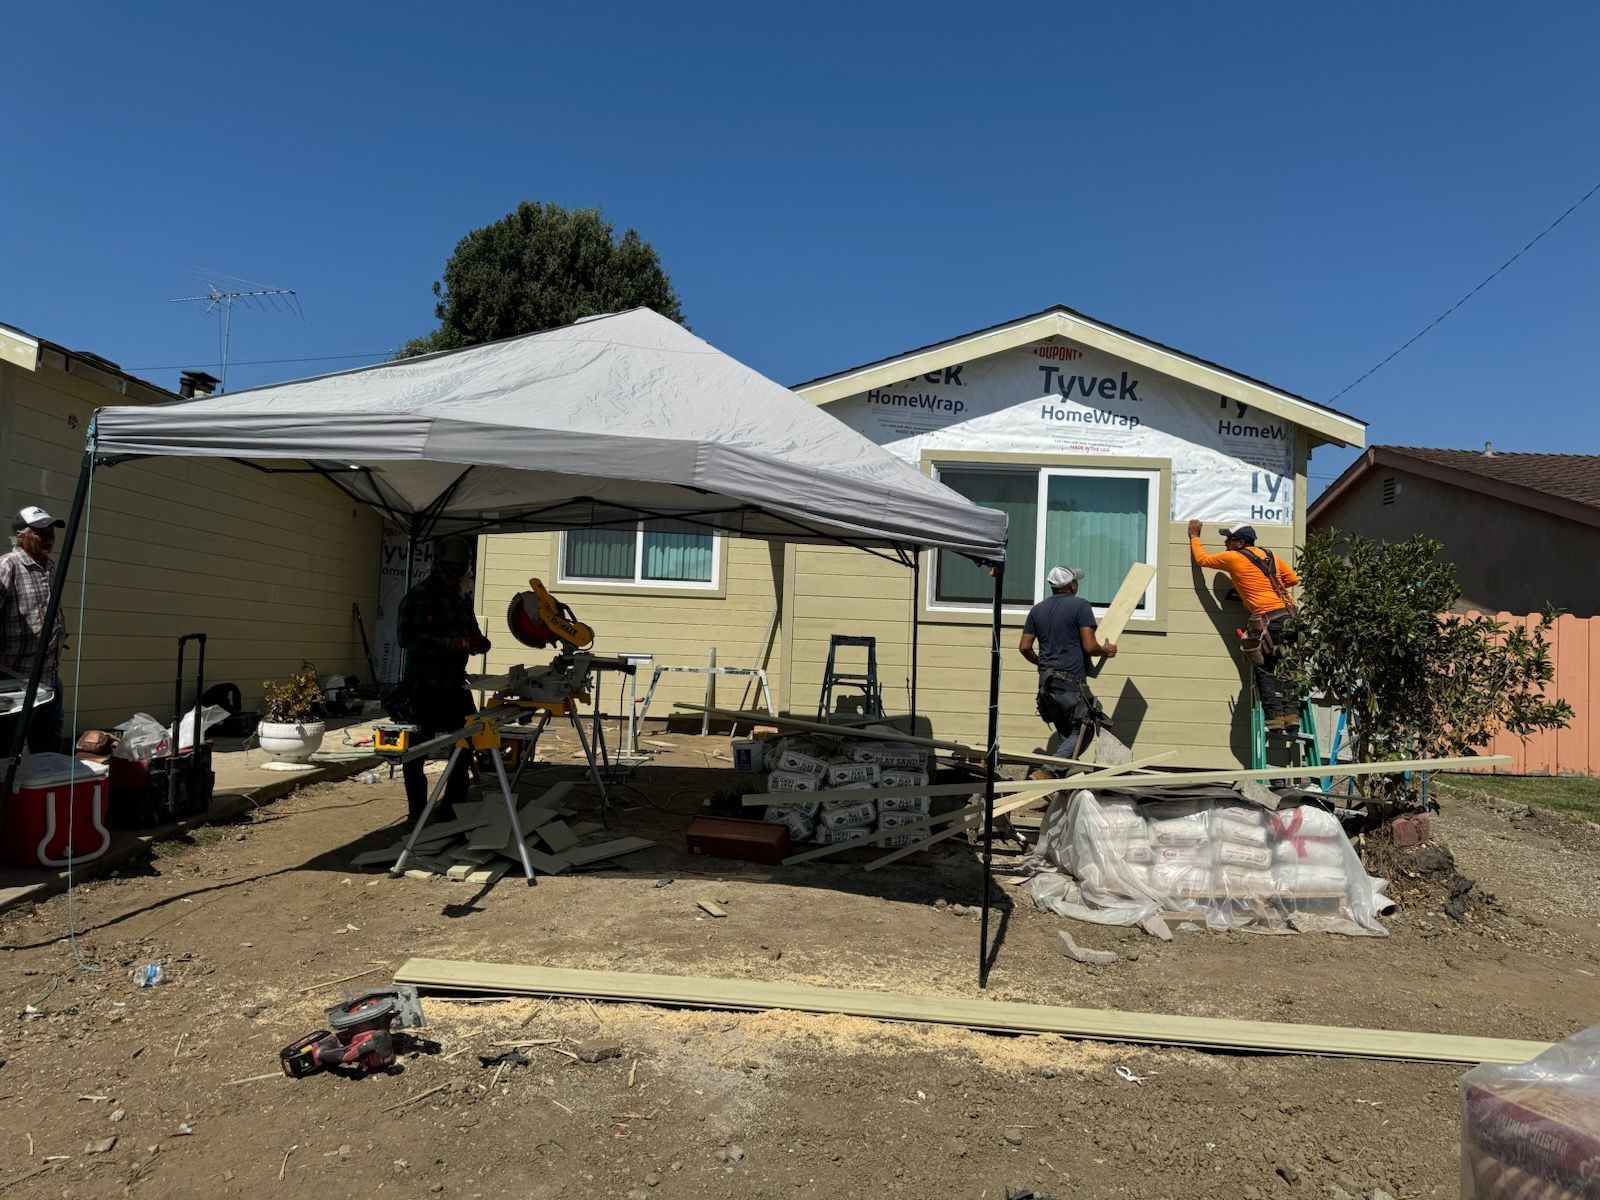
(1263, 584)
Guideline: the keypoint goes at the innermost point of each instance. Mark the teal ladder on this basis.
(1305, 738)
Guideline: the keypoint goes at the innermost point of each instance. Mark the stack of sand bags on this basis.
(1200, 848)
(810, 764)
(800, 766)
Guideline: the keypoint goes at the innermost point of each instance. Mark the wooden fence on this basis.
(1575, 651)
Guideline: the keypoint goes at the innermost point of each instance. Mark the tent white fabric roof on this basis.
(600, 423)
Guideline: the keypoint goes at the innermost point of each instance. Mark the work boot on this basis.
(1284, 721)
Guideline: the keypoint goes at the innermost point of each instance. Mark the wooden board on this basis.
(545, 864)
(955, 749)
(582, 856)
(1125, 601)
(1002, 786)
(558, 836)
(1000, 810)
(488, 875)
(748, 995)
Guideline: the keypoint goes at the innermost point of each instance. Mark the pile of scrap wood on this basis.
(478, 846)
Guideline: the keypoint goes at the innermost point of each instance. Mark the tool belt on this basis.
(1257, 641)
(1064, 698)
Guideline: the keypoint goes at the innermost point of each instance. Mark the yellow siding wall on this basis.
(678, 627)
(267, 565)
(1173, 690)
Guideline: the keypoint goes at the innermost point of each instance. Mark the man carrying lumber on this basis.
(1263, 584)
(1058, 637)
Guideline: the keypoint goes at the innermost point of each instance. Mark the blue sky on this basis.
(1289, 190)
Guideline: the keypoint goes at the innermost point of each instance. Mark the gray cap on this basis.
(1061, 576)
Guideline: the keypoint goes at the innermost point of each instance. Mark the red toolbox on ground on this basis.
(729, 837)
(55, 803)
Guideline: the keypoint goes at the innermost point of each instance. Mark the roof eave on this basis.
(1386, 456)
(1328, 426)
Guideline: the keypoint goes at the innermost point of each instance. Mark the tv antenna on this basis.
(220, 299)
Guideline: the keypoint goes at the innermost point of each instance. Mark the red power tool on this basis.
(358, 1036)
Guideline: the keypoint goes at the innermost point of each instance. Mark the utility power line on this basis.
(1574, 208)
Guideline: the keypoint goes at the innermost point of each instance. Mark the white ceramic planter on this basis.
(291, 741)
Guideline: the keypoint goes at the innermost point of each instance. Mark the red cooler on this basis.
(56, 801)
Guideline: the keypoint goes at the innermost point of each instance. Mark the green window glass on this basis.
(599, 554)
(1100, 524)
(1015, 493)
(676, 551)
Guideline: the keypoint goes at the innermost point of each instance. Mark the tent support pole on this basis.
(992, 764)
(52, 609)
(916, 628)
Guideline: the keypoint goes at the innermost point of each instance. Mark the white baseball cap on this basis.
(34, 517)
(1061, 576)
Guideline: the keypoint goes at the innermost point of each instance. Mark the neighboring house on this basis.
(1523, 530)
(267, 565)
(1099, 444)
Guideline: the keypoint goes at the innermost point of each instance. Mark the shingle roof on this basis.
(1574, 477)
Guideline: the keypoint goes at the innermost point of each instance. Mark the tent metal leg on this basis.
(992, 764)
(427, 809)
(52, 609)
(916, 628)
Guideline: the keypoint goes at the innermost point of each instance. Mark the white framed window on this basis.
(1100, 519)
(655, 553)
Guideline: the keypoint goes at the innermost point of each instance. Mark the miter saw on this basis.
(538, 619)
(522, 701)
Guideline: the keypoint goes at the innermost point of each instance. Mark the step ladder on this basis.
(1303, 740)
(866, 680)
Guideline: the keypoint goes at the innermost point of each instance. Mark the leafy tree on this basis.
(539, 267)
(1376, 634)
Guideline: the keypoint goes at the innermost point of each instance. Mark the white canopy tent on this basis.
(598, 423)
(614, 419)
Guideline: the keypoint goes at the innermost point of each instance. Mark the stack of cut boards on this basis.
(478, 846)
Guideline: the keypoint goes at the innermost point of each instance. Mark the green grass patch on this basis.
(1576, 794)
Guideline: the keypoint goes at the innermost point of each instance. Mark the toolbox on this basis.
(749, 841)
(167, 787)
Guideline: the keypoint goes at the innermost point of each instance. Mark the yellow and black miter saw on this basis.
(538, 619)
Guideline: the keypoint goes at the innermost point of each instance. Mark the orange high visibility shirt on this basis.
(1248, 579)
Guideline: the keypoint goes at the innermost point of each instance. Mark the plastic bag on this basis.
(143, 737)
(1234, 865)
(209, 716)
(1534, 1129)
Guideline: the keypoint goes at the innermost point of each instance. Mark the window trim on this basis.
(1152, 619)
(638, 584)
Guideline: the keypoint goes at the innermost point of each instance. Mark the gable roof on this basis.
(1566, 485)
(1329, 424)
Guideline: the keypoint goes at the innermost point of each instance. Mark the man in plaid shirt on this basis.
(24, 594)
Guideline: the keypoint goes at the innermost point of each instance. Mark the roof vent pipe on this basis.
(196, 384)
(1488, 449)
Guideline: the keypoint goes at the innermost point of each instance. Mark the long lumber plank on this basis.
(1000, 810)
(946, 818)
(956, 749)
(749, 995)
(1125, 601)
(1001, 786)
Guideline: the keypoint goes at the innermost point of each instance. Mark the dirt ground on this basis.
(252, 920)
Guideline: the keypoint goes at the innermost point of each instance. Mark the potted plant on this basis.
(288, 731)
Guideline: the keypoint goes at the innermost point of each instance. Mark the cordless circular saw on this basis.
(538, 619)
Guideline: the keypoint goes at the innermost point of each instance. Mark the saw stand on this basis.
(481, 733)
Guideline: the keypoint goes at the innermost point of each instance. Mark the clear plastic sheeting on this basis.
(1229, 862)
(1533, 1130)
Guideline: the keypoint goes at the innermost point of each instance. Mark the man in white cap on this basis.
(1058, 637)
(25, 574)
